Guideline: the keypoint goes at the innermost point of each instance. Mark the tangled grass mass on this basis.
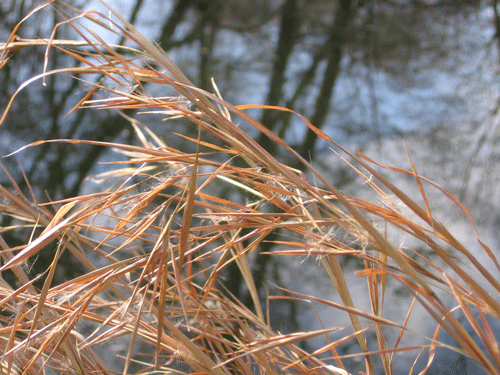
(156, 236)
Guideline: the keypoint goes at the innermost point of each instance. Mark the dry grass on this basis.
(156, 238)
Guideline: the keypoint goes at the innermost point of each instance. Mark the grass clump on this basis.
(156, 238)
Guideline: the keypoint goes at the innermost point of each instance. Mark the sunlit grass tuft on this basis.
(155, 239)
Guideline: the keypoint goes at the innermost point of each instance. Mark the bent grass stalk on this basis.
(155, 282)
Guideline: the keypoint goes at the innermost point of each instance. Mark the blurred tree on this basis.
(336, 39)
(497, 18)
(289, 31)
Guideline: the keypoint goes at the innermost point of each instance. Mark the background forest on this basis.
(369, 74)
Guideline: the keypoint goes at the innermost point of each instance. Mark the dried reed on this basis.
(156, 240)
